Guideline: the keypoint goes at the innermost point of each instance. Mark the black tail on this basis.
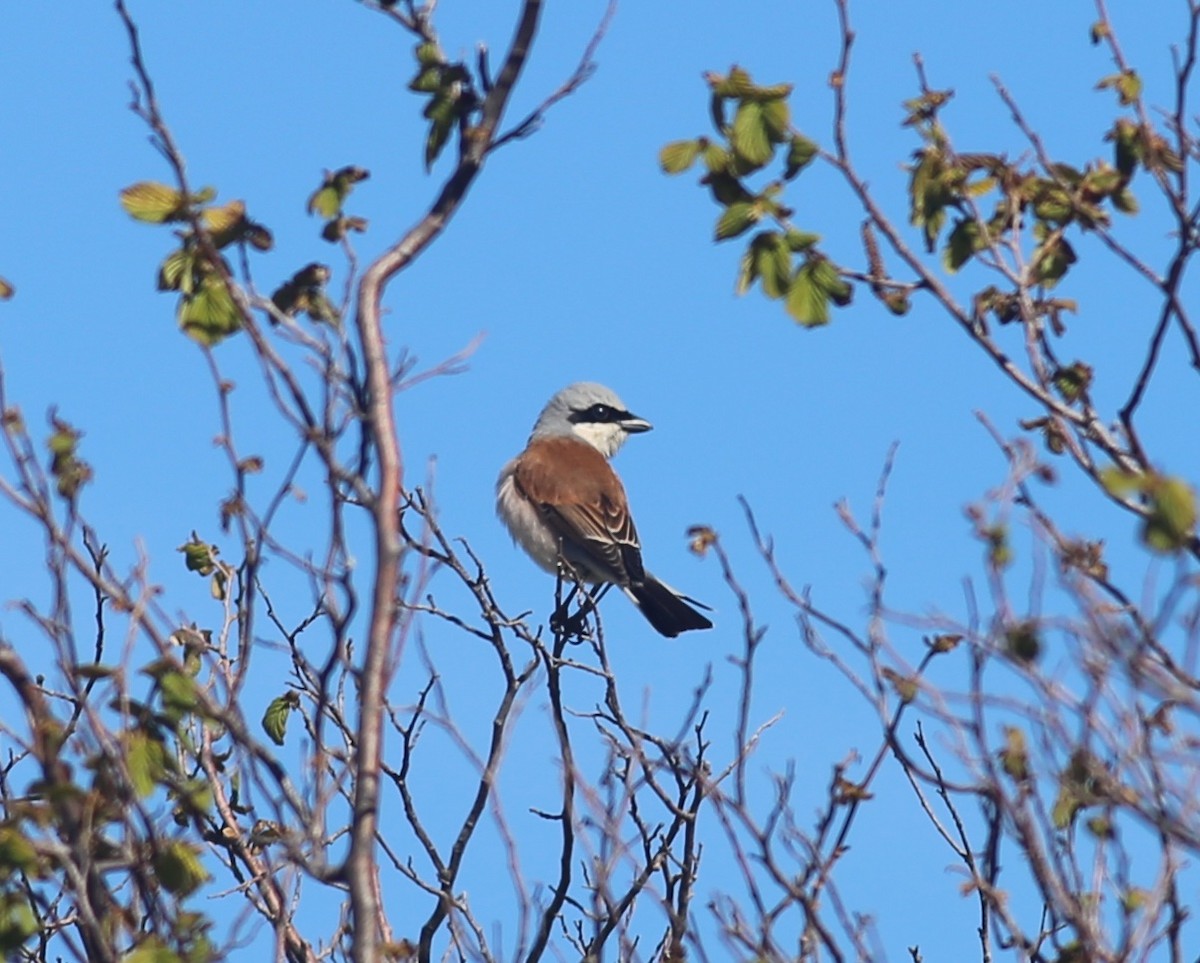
(665, 609)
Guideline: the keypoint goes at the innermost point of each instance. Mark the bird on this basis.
(566, 507)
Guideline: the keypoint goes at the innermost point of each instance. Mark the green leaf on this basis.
(17, 924)
(1126, 140)
(716, 158)
(1051, 261)
(325, 201)
(1072, 380)
(199, 556)
(64, 440)
(679, 155)
(197, 795)
(929, 194)
(906, 687)
(1120, 483)
(737, 84)
(209, 315)
(304, 292)
(342, 225)
(800, 241)
(1103, 180)
(1125, 201)
(1023, 642)
(1014, 757)
(151, 950)
(16, 852)
(777, 117)
(750, 138)
(257, 236)
(223, 222)
(963, 242)
(178, 271)
(428, 80)
(70, 472)
(441, 111)
(737, 219)
(274, 720)
(747, 271)
(428, 54)
(1053, 204)
(1134, 899)
(146, 761)
(981, 187)
(806, 302)
(897, 302)
(769, 93)
(179, 695)
(1066, 807)
(153, 203)
(830, 282)
(727, 189)
(178, 868)
(1171, 524)
(774, 263)
(801, 151)
(1127, 84)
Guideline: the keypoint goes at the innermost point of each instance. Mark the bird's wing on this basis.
(583, 501)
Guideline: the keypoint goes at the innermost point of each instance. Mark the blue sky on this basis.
(574, 258)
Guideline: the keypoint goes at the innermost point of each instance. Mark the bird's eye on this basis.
(601, 413)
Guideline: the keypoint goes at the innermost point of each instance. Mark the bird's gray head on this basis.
(592, 413)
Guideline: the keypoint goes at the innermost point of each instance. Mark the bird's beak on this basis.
(634, 425)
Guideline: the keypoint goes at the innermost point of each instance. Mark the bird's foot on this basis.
(572, 627)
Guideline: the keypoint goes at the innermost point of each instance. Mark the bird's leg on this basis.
(575, 623)
(560, 624)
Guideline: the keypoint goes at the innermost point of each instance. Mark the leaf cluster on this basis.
(327, 201)
(304, 293)
(753, 128)
(196, 269)
(70, 472)
(451, 96)
(948, 192)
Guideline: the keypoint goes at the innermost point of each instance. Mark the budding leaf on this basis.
(737, 219)
(1073, 380)
(678, 156)
(772, 263)
(964, 241)
(223, 219)
(153, 203)
(199, 556)
(146, 761)
(178, 868)
(274, 720)
(801, 151)
(806, 302)
(209, 315)
(750, 138)
(1171, 523)
(1014, 757)
(428, 54)
(776, 117)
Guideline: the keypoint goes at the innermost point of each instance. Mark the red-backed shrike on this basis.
(567, 508)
